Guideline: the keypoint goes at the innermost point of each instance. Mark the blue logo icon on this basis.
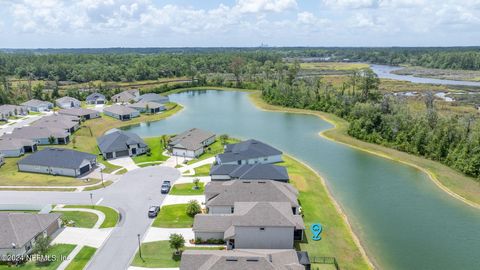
(316, 231)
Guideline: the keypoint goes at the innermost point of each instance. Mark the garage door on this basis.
(122, 153)
(109, 155)
(85, 169)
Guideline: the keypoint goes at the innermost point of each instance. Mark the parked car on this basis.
(153, 211)
(165, 187)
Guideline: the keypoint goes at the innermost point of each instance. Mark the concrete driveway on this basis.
(161, 234)
(132, 195)
(82, 236)
(125, 162)
(177, 199)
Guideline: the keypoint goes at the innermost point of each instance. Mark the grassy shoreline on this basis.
(457, 185)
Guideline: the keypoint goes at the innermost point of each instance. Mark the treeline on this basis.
(386, 119)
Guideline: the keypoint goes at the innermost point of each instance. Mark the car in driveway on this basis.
(166, 185)
(153, 211)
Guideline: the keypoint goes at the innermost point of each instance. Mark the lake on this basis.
(401, 217)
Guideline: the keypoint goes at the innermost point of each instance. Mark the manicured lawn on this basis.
(156, 148)
(215, 148)
(111, 216)
(203, 170)
(59, 250)
(317, 206)
(159, 254)
(81, 219)
(105, 183)
(187, 189)
(82, 258)
(173, 216)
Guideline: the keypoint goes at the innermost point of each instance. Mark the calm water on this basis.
(404, 220)
(384, 71)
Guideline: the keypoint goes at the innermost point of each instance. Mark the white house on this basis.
(249, 152)
(126, 96)
(191, 143)
(153, 97)
(147, 107)
(121, 144)
(68, 102)
(96, 98)
(38, 105)
(12, 147)
(121, 112)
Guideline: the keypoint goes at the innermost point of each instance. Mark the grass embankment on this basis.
(59, 250)
(159, 254)
(156, 149)
(455, 183)
(187, 189)
(203, 170)
(81, 219)
(111, 215)
(213, 149)
(100, 186)
(82, 258)
(173, 216)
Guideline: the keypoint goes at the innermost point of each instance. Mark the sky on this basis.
(237, 23)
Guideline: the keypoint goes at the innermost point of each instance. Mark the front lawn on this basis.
(111, 215)
(58, 250)
(173, 216)
(156, 150)
(81, 219)
(203, 170)
(187, 189)
(82, 258)
(215, 148)
(160, 255)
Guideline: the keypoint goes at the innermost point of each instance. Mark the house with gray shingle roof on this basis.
(147, 107)
(126, 96)
(82, 113)
(255, 225)
(18, 231)
(121, 144)
(96, 98)
(249, 152)
(241, 259)
(68, 102)
(58, 161)
(153, 97)
(8, 110)
(191, 143)
(15, 147)
(121, 112)
(220, 197)
(38, 105)
(40, 135)
(225, 172)
(65, 122)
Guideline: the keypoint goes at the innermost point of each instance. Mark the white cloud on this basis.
(352, 4)
(255, 6)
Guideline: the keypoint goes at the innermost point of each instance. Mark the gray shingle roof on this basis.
(58, 157)
(143, 104)
(57, 121)
(119, 110)
(228, 192)
(36, 102)
(125, 96)
(19, 228)
(35, 132)
(118, 141)
(251, 171)
(153, 97)
(76, 111)
(191, 139)
(240, 259)
(95, 96)
(10, 109)
(67, 99)
(247, 150)
(13, 143)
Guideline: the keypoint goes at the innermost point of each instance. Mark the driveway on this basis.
(125, 162)
(132, 195)
(177, 199)
(82, 236)
(161, 234)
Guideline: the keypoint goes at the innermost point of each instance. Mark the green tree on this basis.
(177, 242)
(223, 138)
(196, 181)
(51, 140)
(41, 247)
(193, 208)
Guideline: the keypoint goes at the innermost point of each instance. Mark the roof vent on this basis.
(246, 182)
(262, 182)
(252, 259)
(231, 259)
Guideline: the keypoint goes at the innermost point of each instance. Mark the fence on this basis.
(325, 260)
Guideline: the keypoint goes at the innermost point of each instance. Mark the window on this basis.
(232, 209)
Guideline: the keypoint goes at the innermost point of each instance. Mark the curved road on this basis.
(131, 195)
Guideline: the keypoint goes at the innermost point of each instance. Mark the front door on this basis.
(134, 151)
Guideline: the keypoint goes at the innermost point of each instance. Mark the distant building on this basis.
(191, 143)
(12, 147)
(121, 112)
(7, 111)
(58, 161)
(20, 230)
(152, 97)
(147, 107)
(38, 105)
(68, 102)
(96, 98)
(40, 135)
(121, 144)
(58, 121)
(84, 114)
(249, 152)
(225, 172)
(127, 96)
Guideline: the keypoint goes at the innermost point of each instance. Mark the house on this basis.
(152, 97)
(249, 152)
(81, 113)
(225, 172)
(12, 147)
(55, 121)
(127, 96)
(191, 143)
(40, 135)
(20, 230)
(147, 107)
(68, 102)
(253, 225)
(121, 112)
(58, 161)
(8, 110)
(96, 98)
(241, 259)
(120, 144)
(38, 105)
(220, 197)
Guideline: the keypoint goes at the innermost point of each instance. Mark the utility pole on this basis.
(101, 176)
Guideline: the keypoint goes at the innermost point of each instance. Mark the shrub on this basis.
(193, 208)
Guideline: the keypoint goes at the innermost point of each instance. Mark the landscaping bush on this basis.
(193, 208)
